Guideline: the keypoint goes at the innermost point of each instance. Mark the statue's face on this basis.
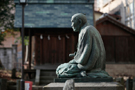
(75, 24)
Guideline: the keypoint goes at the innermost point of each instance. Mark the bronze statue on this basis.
(89, 60)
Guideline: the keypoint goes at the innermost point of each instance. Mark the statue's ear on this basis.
(80, 21)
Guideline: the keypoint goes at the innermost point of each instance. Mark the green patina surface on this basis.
(89, 59)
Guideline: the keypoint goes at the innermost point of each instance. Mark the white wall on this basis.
(8, 57)
(114, 6)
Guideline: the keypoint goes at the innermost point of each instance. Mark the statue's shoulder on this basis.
(89, 28)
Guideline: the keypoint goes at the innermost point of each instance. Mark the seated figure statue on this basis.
(89, 60)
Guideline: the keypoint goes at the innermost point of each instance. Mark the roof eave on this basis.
(117, 23)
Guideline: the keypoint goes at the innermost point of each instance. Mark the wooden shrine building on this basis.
(119, 40)
(49, 21)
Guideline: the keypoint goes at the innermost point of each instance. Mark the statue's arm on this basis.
(72, 61)
(87, 47)
(94, 55)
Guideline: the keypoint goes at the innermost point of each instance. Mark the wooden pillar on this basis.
(129, 84)
(41, 51)
(134, 83)
(30, 36)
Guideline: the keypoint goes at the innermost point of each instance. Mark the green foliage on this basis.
(6, 15)
(26, 40)
(7, 8)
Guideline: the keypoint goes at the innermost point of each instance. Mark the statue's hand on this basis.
(72, 54)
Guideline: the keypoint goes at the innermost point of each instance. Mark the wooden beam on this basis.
(30, 49)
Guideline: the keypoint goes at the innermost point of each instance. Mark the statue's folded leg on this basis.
(67, 70)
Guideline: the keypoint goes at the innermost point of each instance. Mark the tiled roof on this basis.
(107, 17)
(57, 1)
(51, 15)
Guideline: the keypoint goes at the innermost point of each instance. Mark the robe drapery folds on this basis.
(90, 56)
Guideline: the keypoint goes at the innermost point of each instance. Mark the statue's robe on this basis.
(90, 56)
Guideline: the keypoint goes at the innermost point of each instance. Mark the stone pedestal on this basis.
(87, 86)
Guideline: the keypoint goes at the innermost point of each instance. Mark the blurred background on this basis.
(49, 37)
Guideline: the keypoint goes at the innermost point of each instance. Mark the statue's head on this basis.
(78, 20)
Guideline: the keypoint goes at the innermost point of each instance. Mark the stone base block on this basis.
(87, 86)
